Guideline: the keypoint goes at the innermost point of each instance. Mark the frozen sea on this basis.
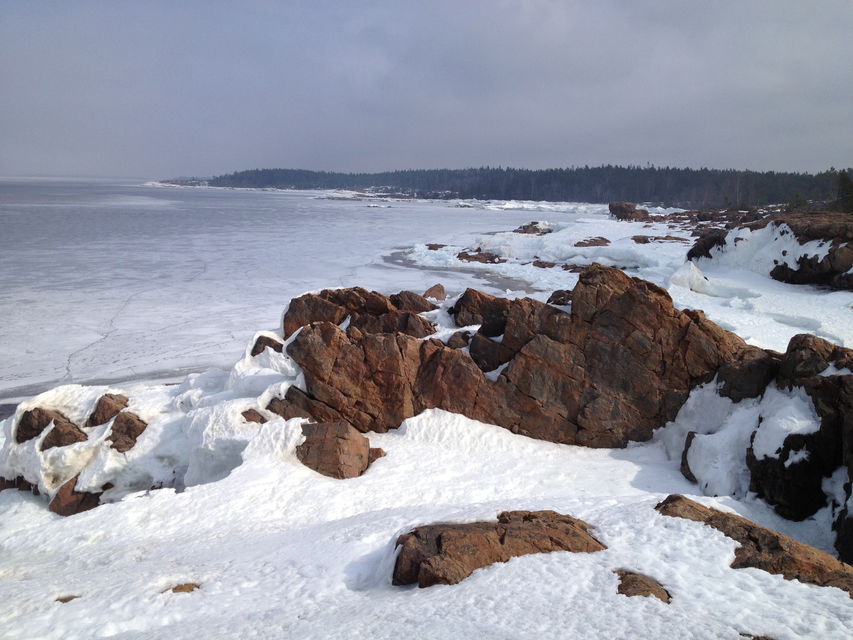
(105, 281)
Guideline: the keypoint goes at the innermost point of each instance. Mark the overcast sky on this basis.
(160, 89)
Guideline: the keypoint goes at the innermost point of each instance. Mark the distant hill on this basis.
(694, 188)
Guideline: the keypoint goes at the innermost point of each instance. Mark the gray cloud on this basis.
(157, 89)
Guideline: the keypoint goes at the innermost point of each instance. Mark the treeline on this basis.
(694, 188)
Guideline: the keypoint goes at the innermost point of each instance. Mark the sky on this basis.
(161, 89)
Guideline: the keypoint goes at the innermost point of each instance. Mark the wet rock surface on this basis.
(449, 553)
(763, 548)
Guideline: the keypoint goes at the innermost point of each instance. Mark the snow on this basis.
(281, 551)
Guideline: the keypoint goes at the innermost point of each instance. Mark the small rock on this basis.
(127, 427)
(187, 587)
(62, 434)
(65, 599)
(334, 449)
(265, 342)
(435, 247)
(459, 340)
(560, 297)
(34, 421)
(636, 584)
(436, 292)
(253, 415)
(68, 501)
(598, 241)
(374, 454)
(480, 256)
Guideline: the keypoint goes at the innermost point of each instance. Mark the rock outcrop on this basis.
(68, 501)
(336, 450)
(619, 366)
(449, 553)
(764, 549)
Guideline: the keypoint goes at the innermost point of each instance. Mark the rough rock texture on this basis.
(749, 376)
(369, 311)
(265, 342)
(68, 501)
(334, 449)
(449, 553)
(488, 354)
(619, 366)
(127, 427)
(106, 409)
(436, 292)
(764, 549)
(34, 421)
(62, 434)
(598, 241)
(628, 211)
(560, 297)
(186, 587)
(459, 340)
(253, 415)
(636, 584)
(795, 490)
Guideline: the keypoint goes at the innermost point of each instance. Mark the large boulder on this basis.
(335, 449)
(765, 549)
(369, 311)
(449, 553)
(619, 366)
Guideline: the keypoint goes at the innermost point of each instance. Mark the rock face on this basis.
(764, 549)
(628, 211)
(832, 269)
(369, 311)
(69, 501)
(127, 427)
(619, 366)
(636, 584)
(449, 553)
(106, 409)
(336, 450)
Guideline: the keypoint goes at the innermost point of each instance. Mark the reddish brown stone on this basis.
(374, 454)
(186, 587)
(68, 501)
(393, 322)
(127, 427)
(541, 264)
(449, 553)
(598, 241)
(764, 549)
(476, 307)
(636, 584)
(410, 301)
(253, 415)
(706, 242)
(560, 297)
(106, 409)
(34, 421)
(487, 354)
(66, 599)
(334, 449)
(459, 340)
(19, 483)
(435, 247)
(480, 256)
(436, 292)
(265, 342)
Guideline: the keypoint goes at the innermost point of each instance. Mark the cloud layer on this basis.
(158, 89)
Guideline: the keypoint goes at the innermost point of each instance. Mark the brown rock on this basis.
(598, 241)
(475, 307)
(449, 553)
(265, 342)
(435, 247)
(488, 354)
(334, 449)
(628, 211)
(187, 587)
(253, 415)
(34, 421)
(459, 340)
(685, 465)
(370, 312)
(560, 297)
(374, 454)
(68, 501)
(541, 264)
(749, 376)
(436, 292)
(19, 483)
(764, 549)
(480, 256)
(62, 434)
(127, 427)
(106, 409)
(649, 239)
(66, 599)
(636, 584)
(410, 301)
(707, 241)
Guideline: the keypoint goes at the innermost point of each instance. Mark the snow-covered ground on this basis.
(183, 278)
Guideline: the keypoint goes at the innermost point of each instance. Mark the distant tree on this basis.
(845, 191)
